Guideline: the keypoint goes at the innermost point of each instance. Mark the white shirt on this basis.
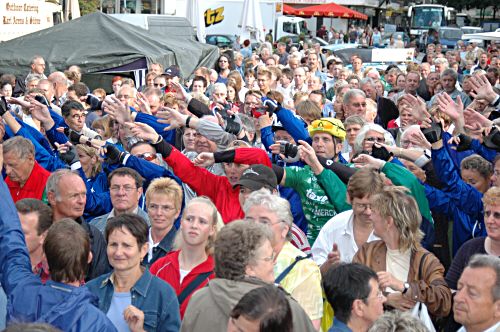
(398, 264)
(339, 230)
(152, 245)
(494, 328)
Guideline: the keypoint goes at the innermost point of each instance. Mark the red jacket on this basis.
(215, 187)
(167, 269)
(33, 188)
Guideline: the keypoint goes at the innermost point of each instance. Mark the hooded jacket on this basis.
(209, 308)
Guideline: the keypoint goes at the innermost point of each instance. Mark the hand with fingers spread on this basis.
(482, 88)
(364, 160)
(116, 109)
(204, 159)
(454, 110)
(307, 154)
(417, 138)
(472, 116)
(143, 103)
(23, 103)
(332, 259)
(143, 131)
(40, 112)
(180, 92)
(172, 117)
(417, 105)
(134, 318)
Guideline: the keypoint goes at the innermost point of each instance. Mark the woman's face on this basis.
(124, 254)
(406, 117)
(262, 266)
(6, 90)
(401, 82)
(116, 86)
(472, 177)
(86, 161)
(231, 93)
(189, 139)
(371, 137)
(162, 211)
(379, 223)
(354, 83)
(223, 63)
(197, 225)
(352, 131)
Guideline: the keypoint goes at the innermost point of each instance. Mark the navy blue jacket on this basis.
(65, 307)
(153, 296)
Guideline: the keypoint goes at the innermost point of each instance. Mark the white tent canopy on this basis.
(494, 36)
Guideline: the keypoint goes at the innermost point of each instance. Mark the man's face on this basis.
(317, 99)
(483, 60)
(283, 136)
(155, 68)
(263, 83)
(370, 91)
(29, 225)
(337, 68)
(127, 95)
(198, 87)
(356, 64)
(356, 106)
(160, 82)
(146, 152)
(293, 63)
(312, 61)
(412, 82)
(18, 169)
(124, 193)
(299, 77)
(285, 81)
(72, 197)
(76, 119)
(38, 66)
(474, 306)
(219, 95)
(252, 101)
(440, 67)
(448, 83)
(432, 79)
(425, 69)
(189, 139)
(314, 83)
(202, 144)
(361, 208)
(374, 304)
(324, 145)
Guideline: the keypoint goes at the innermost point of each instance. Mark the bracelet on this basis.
(496, 101)
(188, 119)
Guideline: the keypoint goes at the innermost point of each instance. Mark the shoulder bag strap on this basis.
(192, 286)
(420, 265)
(290, 267)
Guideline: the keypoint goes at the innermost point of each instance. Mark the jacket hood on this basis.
(226, 293)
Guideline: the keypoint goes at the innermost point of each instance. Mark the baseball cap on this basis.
(330, 126)
(173, 71)
(258, 176)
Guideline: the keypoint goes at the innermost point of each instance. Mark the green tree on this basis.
(88, 6)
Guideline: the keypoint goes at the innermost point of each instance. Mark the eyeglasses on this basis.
(159, 85)
(79, 116)
(156, 207)
(271, 258)
(124, 97)
(262, 221)
(379, 296)
(147, 156)
(127, 189)
(362, 207)
(375, 139)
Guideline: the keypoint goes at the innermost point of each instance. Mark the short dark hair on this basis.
(345, 283)
(80, 89)
(67, 248)
(70, 105)
(136, 225)
(269, 306)
(126, 171)
(201, 79)
(44, 212)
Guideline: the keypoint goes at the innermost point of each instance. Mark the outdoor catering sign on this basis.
(20, 17)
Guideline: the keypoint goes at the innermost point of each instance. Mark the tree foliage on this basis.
(88, 6)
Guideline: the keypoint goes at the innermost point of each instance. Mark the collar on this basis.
(341, 325)
(112, 213)
(141, 286)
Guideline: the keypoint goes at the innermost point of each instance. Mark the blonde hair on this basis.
(168, 187)
(91, 152)
(394, 202)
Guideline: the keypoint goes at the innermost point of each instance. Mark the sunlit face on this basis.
(371, 137)
(299, 77)
(6, 90)
(18, 169)
(262, 266)
(352, 131)
(354, 83)
(197, 224)
(356, 64)
(72, 197)
(162, 211)
(29, 225)
(492, 220)
(198, 86)
(234, 171)
(406, 116)
(203, 144)
(362, 209)
(356, 106)
(124, 193)
(124, 253)
(189, 139)
(267, 217)
(475, 179)
(263, 82)
(324, 145)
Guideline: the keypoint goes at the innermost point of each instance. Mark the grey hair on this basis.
(488, 261)
(354, 119)
(219, 86)
(358, 143)
(397, 321)
(20, 145)
(449, 72)
(36, 57)
(351, 94)
(408, 130)
(52, 184)
(278, 205)
(440, 61)
(367, 80)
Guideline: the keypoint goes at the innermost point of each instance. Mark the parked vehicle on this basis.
(221, 41)
(448, 37)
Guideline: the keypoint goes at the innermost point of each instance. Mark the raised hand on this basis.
(180, 92)
(116, 109)
(172, 117)
(204, 159)
(307, 154)
(472, 116)
(453, 109)
(332, 259)
(40, 112)
(417, 138)
(142, 131)
(143, 103)
(417, 105)
(482, 88)
(364, 160)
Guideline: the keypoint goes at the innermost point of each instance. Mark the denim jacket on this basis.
(150, 294)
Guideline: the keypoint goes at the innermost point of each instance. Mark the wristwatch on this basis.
(406, 286)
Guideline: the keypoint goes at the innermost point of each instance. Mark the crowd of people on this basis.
(280, 190)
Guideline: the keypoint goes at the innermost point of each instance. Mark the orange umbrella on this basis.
(289, 10)
(330, 10)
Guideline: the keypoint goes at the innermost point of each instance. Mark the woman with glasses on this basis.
(370, 134)
(164, 202)
(191, 266)
(407, 273)
(132, 298)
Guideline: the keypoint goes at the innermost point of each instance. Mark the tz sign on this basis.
(214, 16)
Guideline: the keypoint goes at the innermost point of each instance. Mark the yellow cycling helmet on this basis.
(331, 126)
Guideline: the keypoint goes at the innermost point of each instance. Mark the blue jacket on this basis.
(153, 296)
(296, 127)
(151, 120)
(459, 196)
(63, 306)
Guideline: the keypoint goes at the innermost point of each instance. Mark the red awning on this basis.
(289, 10)
(330, 10)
